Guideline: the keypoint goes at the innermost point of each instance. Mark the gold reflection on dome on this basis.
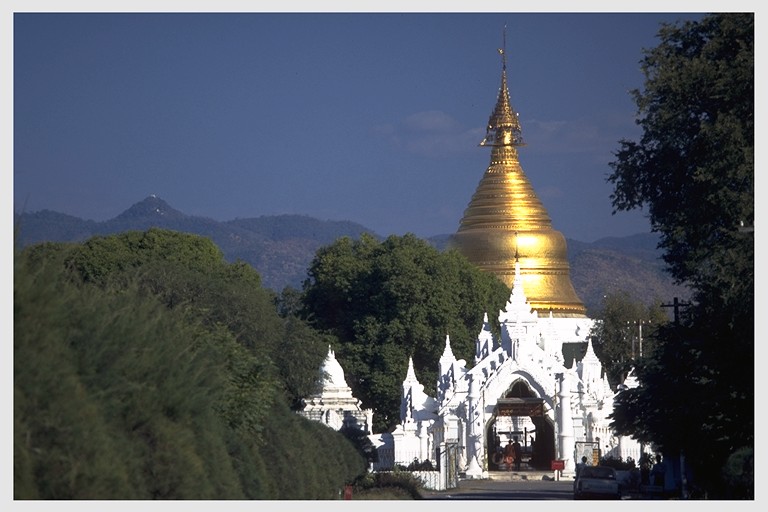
(505, 221)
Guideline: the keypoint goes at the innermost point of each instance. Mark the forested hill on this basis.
(281, 247)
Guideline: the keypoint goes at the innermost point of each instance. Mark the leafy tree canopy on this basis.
(694, 170)
(146, 367)
(623, 331)
(102, 256)
(189, 272)
(391, 300)
(694, 165)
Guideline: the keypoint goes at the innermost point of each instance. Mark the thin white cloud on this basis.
(571, 136)
(431, 133)
(550, 192)
(434, 121)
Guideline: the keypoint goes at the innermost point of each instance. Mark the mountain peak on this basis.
(152, 207)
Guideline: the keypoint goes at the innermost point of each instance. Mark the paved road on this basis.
(506, 490)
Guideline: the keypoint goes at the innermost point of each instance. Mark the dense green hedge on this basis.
(143, 376)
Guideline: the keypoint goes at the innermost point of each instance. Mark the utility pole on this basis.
(633, 340)
(676, 305)
(639, 324)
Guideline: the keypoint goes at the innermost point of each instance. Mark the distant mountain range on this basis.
(281, 247)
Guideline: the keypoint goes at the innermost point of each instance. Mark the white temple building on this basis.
(518, 387)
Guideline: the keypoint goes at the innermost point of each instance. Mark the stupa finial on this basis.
(503, 126)
(503, 49)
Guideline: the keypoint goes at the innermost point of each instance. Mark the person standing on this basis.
(657, 472)
(518, 451)
(509, 455)
(579, 467)
(532, 459)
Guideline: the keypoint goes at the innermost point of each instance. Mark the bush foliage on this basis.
(144, 368)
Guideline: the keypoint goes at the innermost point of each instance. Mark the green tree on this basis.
(146, 367)
(694, 170)
(102, 257)
(189, 272)
(301, 351)
(114, 396)
(624, 331)
(694, 165)
(391, 300)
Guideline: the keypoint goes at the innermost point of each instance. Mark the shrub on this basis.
(397, 482)
(619, 464)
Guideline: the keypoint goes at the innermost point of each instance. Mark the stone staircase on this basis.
(524, 474)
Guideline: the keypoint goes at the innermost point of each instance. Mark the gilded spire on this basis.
(506, 230)
(503, 125)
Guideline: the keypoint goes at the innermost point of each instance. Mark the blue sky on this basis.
(368, 117)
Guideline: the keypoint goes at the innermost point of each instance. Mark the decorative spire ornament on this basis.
(505, 223)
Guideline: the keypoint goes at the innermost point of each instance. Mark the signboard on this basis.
(558, 465)
(520, 407)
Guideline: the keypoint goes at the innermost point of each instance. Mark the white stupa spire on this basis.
(447, 359)
(517, 307)
(484, 342)
(333, 374)
(410, 375)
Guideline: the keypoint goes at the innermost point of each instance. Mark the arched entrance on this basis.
(521, 414)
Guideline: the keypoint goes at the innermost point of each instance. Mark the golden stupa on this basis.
(505, 222)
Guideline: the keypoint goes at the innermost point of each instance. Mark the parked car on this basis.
(596, 483)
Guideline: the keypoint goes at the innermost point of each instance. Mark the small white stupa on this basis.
(334, 405)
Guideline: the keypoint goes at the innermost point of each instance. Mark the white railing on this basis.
(438, 480)
(386, 459)
(432, 480)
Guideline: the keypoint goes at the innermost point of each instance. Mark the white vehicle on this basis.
(596, 483)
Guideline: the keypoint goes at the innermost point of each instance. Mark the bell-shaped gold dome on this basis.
(505, 222)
